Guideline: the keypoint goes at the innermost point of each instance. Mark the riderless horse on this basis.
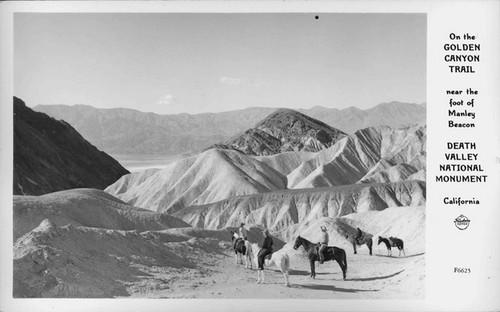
(330, 253)
(359, 241)
(277, 258)
(392, 242)
(387, 244)
(398, 243)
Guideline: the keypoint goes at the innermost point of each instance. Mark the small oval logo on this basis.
(462, 222)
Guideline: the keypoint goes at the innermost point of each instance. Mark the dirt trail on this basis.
(220, 277)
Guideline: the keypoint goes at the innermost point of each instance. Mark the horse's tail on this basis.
(287, 263)
(248, 247)
(344, 259)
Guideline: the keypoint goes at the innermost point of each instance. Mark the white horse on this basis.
(248, 255)
(279, 259)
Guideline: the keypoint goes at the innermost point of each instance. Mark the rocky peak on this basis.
(282, 131)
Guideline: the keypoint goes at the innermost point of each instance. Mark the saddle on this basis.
(316, 248)
(268, 257)
(237, 241)
(359, 240)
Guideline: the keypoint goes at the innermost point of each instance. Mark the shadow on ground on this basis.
(333, 288)
(396, 257)
(366, 279)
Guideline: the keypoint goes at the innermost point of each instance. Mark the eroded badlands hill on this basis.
(372, 155)
(50, 155)
(280, 210)
(380, 154)
(205, 178)
(283, 131)
(86, 207)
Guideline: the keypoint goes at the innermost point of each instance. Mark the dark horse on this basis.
(392, 242)
(398, 243)
(365, 239)
(387, 244)
(330, 253)
(239, 247)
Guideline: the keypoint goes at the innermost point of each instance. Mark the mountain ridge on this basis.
(50, 155)
(134, 132)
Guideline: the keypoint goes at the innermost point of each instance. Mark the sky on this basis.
(170, 63)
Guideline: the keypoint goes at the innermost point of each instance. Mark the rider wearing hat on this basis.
(243, 231)
(323, 243)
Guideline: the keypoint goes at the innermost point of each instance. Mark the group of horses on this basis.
(368, 240)
(245, 249)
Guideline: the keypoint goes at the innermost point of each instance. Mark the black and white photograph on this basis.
(263, 157)
(219, 155)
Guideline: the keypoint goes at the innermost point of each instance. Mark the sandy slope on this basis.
(208, 177)
(87, 207)
(282, 209)
(78, 262)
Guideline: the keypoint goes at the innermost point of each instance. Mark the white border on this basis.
(444, 291)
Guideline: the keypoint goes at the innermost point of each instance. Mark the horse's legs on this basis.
(258, 275)
(248, 261)
(285, 274)
(354, 246)
(402, 249)
(369, 244)
(313, 271)
(342, 266)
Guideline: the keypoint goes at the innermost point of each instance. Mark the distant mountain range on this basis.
(126, 131)
(50, 155)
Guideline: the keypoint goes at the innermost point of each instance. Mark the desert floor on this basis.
(219, 277)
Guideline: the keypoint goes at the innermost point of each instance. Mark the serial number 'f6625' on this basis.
(461, 270)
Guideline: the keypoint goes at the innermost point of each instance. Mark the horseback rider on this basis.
(323, 244)
(243, 231)
(267, 248)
